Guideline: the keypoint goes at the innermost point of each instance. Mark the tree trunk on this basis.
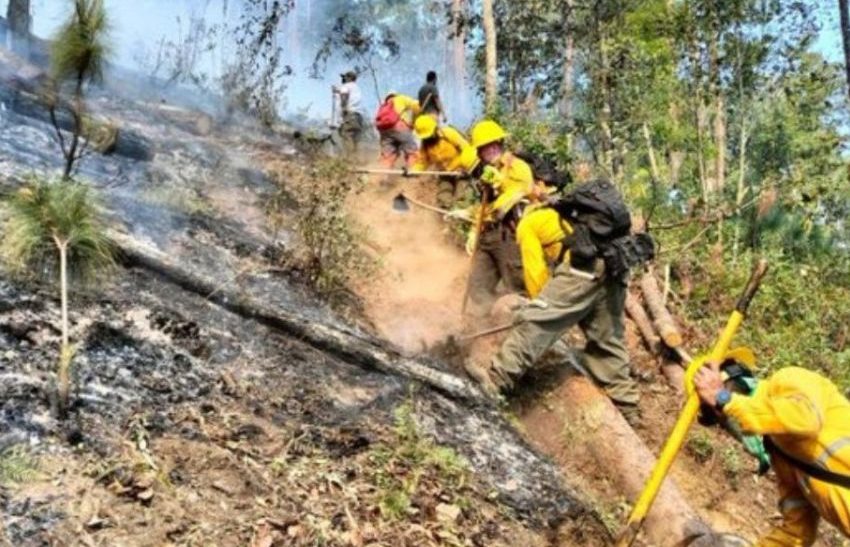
(568, 83)
(20, 23)
(63, 383)
(650, 150)
(490, 77)
(719, 142)
(594, 435)
(644, 325)
(844, 11)
(346, 344)
(461, 105)
(664, 323)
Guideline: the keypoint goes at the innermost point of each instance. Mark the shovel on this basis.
(689, 413)
(402, 173)
(401, 203)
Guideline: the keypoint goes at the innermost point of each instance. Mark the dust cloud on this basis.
(416, 300)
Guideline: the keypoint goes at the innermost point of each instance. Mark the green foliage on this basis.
(17, 465)
(46, 213)
(331, 237)
(401, 467)
(700, 446)
(730, 457)
(80, 48)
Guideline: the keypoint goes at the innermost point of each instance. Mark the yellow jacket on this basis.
(407, 108)
(514, 183)
(451, 152)
(807, 417)
(540, 235)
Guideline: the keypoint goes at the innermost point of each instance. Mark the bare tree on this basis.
(490, 81)
(844, 10)
(458, 58)
(20, 23)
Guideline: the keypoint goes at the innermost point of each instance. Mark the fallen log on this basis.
(122, 142)
(354, 347)
(644, 324)
(600, 439)
(663, 321)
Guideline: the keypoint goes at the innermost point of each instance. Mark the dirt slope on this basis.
(427, 274)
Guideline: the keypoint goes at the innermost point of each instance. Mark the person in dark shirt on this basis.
(429, 98)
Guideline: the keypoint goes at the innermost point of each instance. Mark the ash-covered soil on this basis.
(193, 425)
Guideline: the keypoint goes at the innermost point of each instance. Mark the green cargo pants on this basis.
(497, 259)
(597, 307)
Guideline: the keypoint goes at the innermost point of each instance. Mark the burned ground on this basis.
(196, 425)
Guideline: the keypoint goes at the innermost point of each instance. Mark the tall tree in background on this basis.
(20, 23)
(491, 67)
(844, 10)
(568, 83)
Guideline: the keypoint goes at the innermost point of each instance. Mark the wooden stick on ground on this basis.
(663, 321)
(348, 345)
(644, 324)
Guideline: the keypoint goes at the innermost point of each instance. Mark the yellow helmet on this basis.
(486, 132)
(425, 127)
(743, 356)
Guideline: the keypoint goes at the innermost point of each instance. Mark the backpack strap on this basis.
(812, 470)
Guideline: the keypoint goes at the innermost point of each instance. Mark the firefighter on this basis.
(804, 422)
(443, 149)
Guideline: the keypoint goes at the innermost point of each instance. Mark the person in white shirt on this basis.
(350, 100)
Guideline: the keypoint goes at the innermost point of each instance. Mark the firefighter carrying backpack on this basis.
(602, 229)
(386, 118)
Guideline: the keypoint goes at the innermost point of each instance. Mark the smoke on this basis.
(140, 29)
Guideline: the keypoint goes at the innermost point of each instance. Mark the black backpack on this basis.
(602, 228)
(545, 169)
(600, 207)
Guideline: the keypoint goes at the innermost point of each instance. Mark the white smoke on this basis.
(138, 28)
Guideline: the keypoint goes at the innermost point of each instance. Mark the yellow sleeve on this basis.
(538, 233)
(453, 136)
(535, 270)
(516, 184)
(413, 105)
(799, 526)
(467, 157)
(777, 408)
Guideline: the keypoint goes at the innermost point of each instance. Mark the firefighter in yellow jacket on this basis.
(571, 297)
(397, 139)
(509, 181)
(805, 422)
(443, 149)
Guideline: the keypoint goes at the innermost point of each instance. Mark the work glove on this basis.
(459, 214)
(490, 175)
(471, 242)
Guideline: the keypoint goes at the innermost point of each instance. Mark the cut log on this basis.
(348, 345)
(644, 324)
(599, 438)
(663, 321)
